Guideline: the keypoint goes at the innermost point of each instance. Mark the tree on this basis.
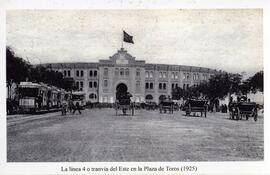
(17, 69)
(256, 82)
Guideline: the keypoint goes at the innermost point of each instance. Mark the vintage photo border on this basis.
(250, 167)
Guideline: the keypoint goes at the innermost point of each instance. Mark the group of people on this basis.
(71, 106)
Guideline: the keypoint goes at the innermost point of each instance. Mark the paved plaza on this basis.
(100, 135)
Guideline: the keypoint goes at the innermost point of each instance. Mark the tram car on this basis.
(166, 105)
(124, 103)
(78, 97)
(196, 105)
(32, 97)
(243, 109)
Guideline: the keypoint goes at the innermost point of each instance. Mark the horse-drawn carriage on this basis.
(124, 104)
(150, 106)
(166, 105)
(196, 105)
(241, 109)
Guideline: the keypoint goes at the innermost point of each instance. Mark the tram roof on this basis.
(29, 85)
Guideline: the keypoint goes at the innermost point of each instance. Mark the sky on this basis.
(229, 40)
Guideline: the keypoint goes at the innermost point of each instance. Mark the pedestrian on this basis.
(77, 107)
(70, 105)
(64, 107)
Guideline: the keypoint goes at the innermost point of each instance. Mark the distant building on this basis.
(146, 82)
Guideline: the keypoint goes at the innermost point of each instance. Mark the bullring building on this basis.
(146, 82)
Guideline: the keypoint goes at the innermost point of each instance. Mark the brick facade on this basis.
(99, 80)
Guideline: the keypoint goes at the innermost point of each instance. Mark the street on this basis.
(100, 135)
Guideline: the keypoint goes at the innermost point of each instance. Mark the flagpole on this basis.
(122, 38)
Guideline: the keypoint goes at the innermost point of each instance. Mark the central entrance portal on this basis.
(121, 89)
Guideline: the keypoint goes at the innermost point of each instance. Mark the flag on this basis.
(128, 38)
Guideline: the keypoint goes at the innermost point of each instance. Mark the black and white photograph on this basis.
(134, 85)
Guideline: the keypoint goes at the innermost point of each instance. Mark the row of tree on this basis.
(19, 70)
(220, 85)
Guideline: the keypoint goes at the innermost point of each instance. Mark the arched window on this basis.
(106, 71)
(176, 75)
(149, 97)
(151, 74)
(95, 84)
(90, 84)
(138, 72)
(160, 74)
(146, 74)
(127, 71)
(172, 86)
(160, 85)
(162, 97)
(164, 85)
(92, 96)
(77, 85)
(146, 85)
(116, 71)
(122, 72)
(172, 75)
(164, 74)
(138, 85)
(105, 83)
(90, 73)
(95, 73)
(81, 73)
(65, 73)
(151, 86)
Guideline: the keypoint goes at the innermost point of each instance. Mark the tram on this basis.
(32, 97)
